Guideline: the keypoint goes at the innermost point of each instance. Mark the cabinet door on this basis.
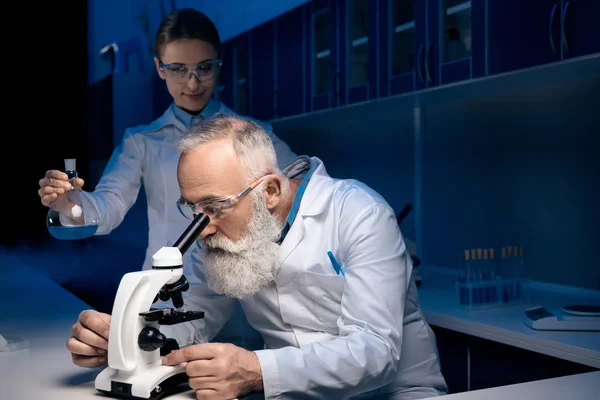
(224, 88)
(325, 88)
(398, 46)
(291, 76)
(522, 33)
(494, 364)
(462, 39)
(359, 39)
(422, 15)
(580, 34)
(262, 82)
(240, 55)
(453, 350)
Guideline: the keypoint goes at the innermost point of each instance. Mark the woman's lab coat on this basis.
(360, 334)
(147, 156)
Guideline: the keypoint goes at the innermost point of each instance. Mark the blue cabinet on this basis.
(462, 46)
(523, 34)
(330, 53)
(233, 88)
(323, 87)
(580, 33)
(262, 72)
(398, 43)
(427, 43)
(224, 88)
(278, 73)
(290, 70)
(358, 37)
(342, 51)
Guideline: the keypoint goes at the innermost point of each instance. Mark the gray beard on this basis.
(243, 267)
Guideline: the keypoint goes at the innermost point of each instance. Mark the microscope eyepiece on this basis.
(168, 260)
(192, 232)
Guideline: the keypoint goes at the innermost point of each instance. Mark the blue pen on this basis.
(336, 265)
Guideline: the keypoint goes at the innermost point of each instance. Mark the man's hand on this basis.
(219, 370)
(89, 339)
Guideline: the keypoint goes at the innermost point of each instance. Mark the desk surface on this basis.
(39, 310)
(505, 324)
(574, 387)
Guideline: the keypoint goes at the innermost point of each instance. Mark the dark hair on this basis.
(187, 23)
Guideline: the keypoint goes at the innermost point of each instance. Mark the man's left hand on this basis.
(219, 370)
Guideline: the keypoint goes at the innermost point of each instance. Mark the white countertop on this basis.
(37, 309)
(575, 387)
(439, 302)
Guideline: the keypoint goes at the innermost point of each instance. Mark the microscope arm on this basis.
(135, 295)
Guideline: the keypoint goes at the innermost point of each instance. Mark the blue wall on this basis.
(518, 170)
(510, 170)
(110, 20)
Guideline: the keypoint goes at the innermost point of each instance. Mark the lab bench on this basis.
(45, 312)
(575, 387)
(491, 347)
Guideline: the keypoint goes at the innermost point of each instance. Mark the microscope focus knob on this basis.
(151, 339)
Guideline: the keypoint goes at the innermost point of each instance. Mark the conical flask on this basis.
(71, 216)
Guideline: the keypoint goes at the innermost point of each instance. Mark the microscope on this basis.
(135, 343)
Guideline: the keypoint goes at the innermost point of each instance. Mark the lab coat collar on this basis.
(315, 199)
(187, 119)
(183, 120)
(318, 191)
(303, 165)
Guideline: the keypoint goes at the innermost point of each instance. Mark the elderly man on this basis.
(319, 265)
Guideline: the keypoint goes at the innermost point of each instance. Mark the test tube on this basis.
(519, 273)
(493, 288)
(474, 285)
(462, 280)
(485, 298)
(505, 278)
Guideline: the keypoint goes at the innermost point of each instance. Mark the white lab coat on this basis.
(361, 335)
(147, 156)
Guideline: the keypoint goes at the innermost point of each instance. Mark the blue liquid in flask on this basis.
(73, 232)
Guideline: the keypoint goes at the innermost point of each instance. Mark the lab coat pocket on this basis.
(326, 292)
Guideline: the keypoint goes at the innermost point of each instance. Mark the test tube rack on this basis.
(485, 280)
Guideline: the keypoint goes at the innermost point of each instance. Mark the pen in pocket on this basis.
(336, 265)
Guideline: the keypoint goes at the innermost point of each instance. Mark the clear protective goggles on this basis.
(204, 71)
(216, 208)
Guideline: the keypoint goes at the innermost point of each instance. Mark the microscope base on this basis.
(148, 382)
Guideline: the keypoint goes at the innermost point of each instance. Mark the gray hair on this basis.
(251, 143)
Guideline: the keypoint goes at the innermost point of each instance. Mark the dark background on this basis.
(45, 65)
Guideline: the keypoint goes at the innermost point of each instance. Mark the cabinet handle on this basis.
(552, 15)
(427, 74)
(419, 72)
(562, 27)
